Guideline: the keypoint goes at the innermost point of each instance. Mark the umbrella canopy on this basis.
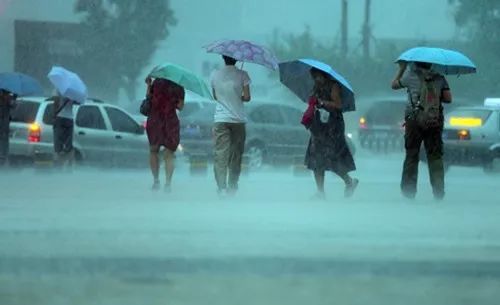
(182, 77)
(296, 76)
(20, 84)
(443, 61)
(245, 51)
(68, 84)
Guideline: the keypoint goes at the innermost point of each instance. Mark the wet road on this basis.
(102, 237)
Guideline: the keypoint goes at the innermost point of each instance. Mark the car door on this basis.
(297, 135)
(92, 136)
(129, 140)
(268, 126)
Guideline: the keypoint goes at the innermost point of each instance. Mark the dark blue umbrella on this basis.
(443, 61)
(20, 84)
(295, 76)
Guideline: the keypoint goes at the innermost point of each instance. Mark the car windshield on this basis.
(25, 112)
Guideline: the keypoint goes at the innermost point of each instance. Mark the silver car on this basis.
(274, 134)
(103, 133)
(472, 136)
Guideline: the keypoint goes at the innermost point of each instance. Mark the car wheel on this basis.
(488, 167)
(255, 154)
(78, 158)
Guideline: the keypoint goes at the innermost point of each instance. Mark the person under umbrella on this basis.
(7, 102)
(166, 85)
(231, 89)
(421, 72)
(12, 85)
(328, 95)
(70, 90)
(163, 127)
(327, 149)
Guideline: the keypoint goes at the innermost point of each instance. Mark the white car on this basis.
(103, 133)
(471, 135)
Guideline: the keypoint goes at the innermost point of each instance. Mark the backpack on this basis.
(428, 107)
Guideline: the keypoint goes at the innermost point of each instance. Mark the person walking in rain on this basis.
(63, 131)
(7, 102)
(163, 127)
(327, 149)
(231, 88)
(424, 121)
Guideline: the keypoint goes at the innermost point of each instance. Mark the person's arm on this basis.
(180, 104)
(396, 83)
(213, 93)
(245, 97)
(180, 99)
(149, 83)
(446, 96)
(335, 102)
(445, 92)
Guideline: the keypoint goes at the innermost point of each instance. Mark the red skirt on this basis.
(163, 132)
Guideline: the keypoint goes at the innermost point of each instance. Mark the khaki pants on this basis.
(229, 148)
(433, 143)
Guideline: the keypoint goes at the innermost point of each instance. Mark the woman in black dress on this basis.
(328, 150)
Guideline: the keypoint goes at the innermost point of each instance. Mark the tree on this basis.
(366, 75)
(481, 21)
(119, 37)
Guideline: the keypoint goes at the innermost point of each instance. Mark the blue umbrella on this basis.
(443, 61)
(20, 84)
(295, 76)
(68, 84)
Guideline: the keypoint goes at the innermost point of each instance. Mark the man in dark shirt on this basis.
(7, 100)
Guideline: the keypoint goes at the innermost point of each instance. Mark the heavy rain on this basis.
(249, 152)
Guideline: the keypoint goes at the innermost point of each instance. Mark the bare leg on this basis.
(319, 177)
(154, 163)
(350, 184)
(169, 167)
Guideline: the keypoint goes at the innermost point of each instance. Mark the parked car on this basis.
(381, 127)
(274, 133)
(103, 133)
(471, 135)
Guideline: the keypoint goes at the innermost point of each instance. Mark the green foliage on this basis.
(118, 40)
(367, 76)
(480, 20)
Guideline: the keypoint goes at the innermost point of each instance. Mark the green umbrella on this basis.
(182, 77)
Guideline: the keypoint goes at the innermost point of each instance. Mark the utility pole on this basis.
(367, 32)
(343, 30)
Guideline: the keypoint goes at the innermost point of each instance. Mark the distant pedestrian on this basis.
(328, 150)
(424, 121)
(7, 103)
(63, 131)
(166, 97)
(231, 88)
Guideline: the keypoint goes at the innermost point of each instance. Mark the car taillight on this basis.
(34, 133)
(463, 134)
(362, 123)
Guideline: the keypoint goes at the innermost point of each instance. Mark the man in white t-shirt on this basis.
(231, 88)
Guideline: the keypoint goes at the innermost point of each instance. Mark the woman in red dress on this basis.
(163, 126)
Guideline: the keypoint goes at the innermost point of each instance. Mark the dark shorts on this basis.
(63, 135)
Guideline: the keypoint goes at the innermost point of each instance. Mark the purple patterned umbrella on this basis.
(244, 51)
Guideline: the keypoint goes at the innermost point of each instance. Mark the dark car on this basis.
(274, 134)
(381, 127)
